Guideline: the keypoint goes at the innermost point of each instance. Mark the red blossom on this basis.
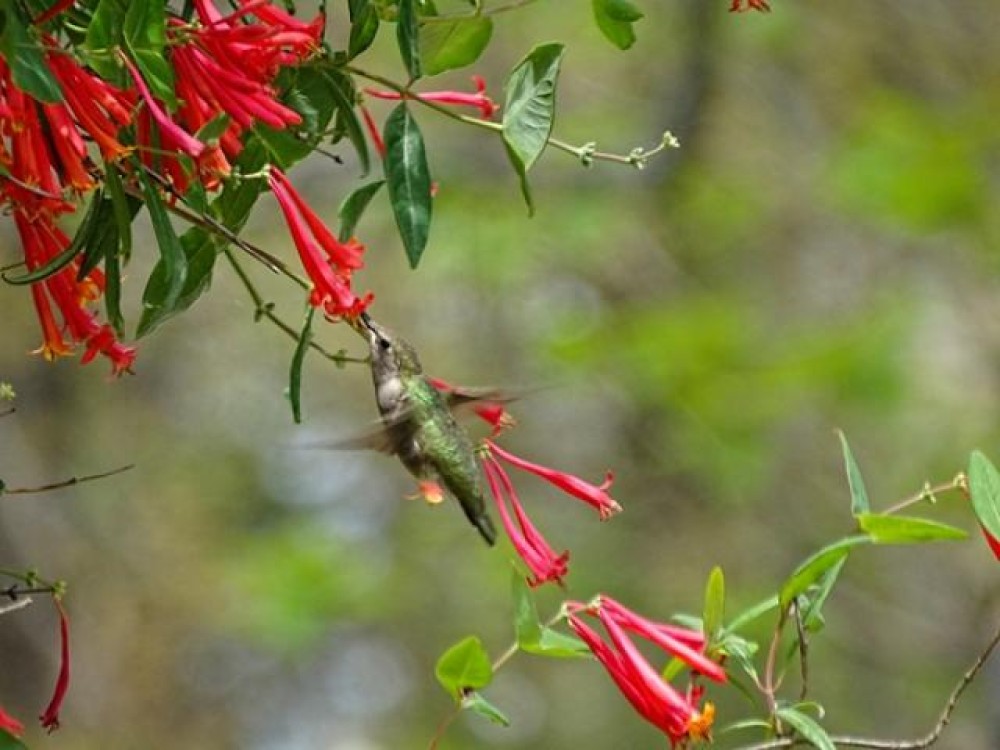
(176, 135)
(9, 724)
(654, 698)
(739, 6)
(592, 494)
(544, 564)
(54, 10)
(373, 131)
(50, 717)
(491, 412)
(487, 108)
(330, 275)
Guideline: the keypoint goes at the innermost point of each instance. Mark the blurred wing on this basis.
(374, 439)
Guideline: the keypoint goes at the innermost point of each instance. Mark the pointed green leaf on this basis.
(906, 529)
(24, 55)
(295, 375)
(145, 32)
(285, 149)
(815, 566)
(752, 613)
(212, 130)
(529, 111)
(7, 740)
(615, 18)
(812, 616)
(859, 495)
(354, 206)
(558, 645)
(984, 490)
(715, 603)
(476, 703)
(364, 27)
(408, 37)
(105, 33)
(463, 667)
(124, 209)
(807, 727)
(447, 45)
(166, 282)
(408, 180)
(347, 123)
(527, 626)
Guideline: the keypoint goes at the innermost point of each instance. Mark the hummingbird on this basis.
(419, 427)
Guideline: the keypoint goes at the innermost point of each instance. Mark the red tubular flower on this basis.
(50, 718)
(487, 108)
(373, 131)
(331, 276)
(57, 7)
(177, 136)
(739, 6)
(595, 495)
(10, 725)
(544, 564)
(655, 699)
(42, 240)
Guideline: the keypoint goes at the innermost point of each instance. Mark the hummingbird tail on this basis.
(486, 528)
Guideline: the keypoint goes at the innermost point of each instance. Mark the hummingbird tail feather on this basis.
(486, 528)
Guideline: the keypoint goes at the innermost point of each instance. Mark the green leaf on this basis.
(105, 34)
(807, 727)
(354, 206)
(479, 705)
(212, 130)
(463, 667)
(527, 626)
(408, 180)
(715, 603)
(529, 111)
(558, 645)
(859, 496)
(615, 18)
(815, 566)
(145, 32)
(812, 616)
(166, 282)
(752, 613)
(342, 91)
(906, 529)
(123, 208)
(408, 37)
(9, 741)
(448, 45)
(24, 56)
(295, 375)
(984, 490)
(364, 27)
(285, 149)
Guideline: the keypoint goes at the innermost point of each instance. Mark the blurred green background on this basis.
(821, 253)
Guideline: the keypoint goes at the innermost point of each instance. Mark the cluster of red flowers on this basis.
(49, 717)
(223, 66)
(677, 714)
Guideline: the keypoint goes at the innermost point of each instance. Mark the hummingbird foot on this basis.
(428, 490)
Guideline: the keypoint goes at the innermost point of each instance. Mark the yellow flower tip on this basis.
(700, 725)
(430, 491)
(51, 351)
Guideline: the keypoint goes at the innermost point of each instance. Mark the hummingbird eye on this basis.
(385, 343)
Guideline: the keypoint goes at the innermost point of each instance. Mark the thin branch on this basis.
(918, 744)
(16, 605)
(587, 153)
(67, 482)
(264, 309)
(7, 413)
(482, 12)
(803, 646)
(928, 492)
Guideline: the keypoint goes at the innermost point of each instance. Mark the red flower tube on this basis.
(50, 718)
(487, 108)
(10, 725)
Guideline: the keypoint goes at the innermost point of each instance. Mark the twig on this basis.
(67, 482)
(918, 744)
(803, 645)
(16, 605)
(480, 13)
(264, 309)
(587, 153)
(928, 492)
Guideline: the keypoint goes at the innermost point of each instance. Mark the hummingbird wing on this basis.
(376, 438)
